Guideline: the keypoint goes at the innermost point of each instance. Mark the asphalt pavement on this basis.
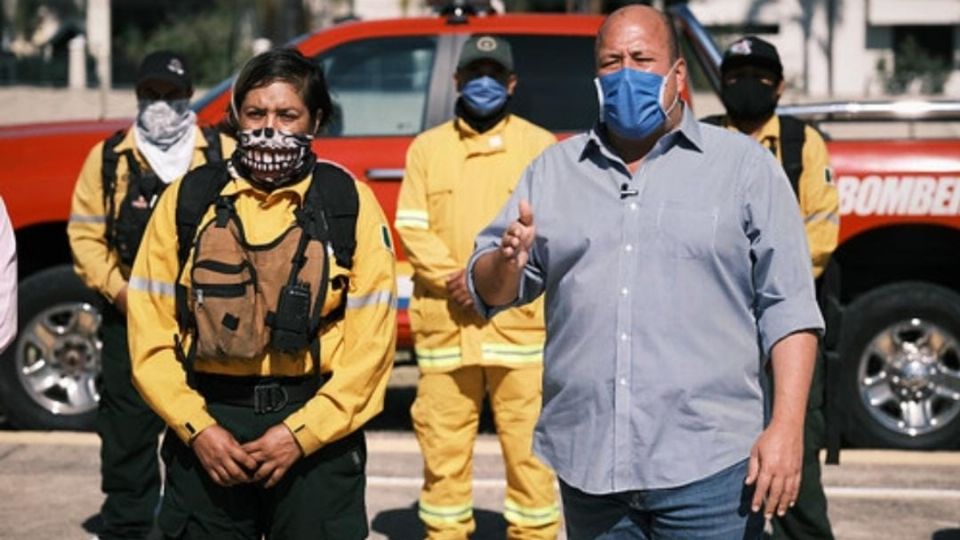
(49, 486)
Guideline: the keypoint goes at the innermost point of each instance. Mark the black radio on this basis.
(291, 322)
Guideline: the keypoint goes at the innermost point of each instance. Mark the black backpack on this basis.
(332, 196)
(125, 228)
(792, 139)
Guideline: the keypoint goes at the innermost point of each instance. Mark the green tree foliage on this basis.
(914, 63)
(206, 32)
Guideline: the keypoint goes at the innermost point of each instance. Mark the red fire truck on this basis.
(897, 380)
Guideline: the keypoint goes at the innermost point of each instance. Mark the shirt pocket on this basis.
(440, 206)
(685, 231)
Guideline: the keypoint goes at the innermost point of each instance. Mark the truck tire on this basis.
(900, 373)
(48, 375)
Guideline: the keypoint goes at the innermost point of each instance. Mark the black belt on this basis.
(264, 394)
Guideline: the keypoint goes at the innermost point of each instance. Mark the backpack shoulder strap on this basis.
(333, 190)
(713, 119)
(109, 159)
(792, 139)
(198, 189)
(213, 151)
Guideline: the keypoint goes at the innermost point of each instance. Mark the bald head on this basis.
(645, 22)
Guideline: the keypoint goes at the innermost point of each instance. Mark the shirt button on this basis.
(624, 336)
(624, 291)
(623, 381)
(628, 247)
(633, 206)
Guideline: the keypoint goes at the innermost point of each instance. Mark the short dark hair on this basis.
(290, 66)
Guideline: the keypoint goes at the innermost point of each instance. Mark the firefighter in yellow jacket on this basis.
(457, 177)
(752, 84)
(263, 324)
(115, 194)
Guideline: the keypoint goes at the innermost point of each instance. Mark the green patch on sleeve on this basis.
(385, 237)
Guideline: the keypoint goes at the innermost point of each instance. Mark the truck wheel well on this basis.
(899, 253)
(41, 246)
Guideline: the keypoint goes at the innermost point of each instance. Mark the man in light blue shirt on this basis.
(675, 269)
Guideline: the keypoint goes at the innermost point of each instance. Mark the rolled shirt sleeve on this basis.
(533, 278)
(785, 300)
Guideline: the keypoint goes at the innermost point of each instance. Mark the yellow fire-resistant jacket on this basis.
(357, 352)
(455, 182)
(93, 259)
(819, 203)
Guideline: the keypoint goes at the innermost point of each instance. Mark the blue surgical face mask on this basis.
(484, 95)
(631, 102)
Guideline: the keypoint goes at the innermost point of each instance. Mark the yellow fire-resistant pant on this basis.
(445, 416)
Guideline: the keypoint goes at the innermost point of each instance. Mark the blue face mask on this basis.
(484, 96)
(631, 102)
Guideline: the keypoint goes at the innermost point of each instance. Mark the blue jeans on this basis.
(714, 508)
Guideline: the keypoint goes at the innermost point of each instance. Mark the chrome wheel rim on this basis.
(909, 377)
(58, 358)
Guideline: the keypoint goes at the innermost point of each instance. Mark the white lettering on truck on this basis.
(899, 195)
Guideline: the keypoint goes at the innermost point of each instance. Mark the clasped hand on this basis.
(264, 460)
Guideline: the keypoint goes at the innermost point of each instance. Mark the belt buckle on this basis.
(269, 397)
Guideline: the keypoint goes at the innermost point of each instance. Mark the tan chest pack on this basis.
(244, 300)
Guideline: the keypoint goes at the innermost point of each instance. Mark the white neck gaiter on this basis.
(165, 134)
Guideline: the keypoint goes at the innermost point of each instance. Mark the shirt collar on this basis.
(491, 141)
(770, 130)
(238, 185)
(687, 131)
(128, 142)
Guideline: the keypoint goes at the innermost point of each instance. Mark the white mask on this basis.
(162, 123)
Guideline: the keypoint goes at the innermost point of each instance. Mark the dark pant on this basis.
(714, 508)
(129, 430)
(808, 518)
(321, 497)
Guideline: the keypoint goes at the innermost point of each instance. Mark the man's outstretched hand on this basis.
(518, 238)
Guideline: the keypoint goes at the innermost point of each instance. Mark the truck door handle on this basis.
(379, 175)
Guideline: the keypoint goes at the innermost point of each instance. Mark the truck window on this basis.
(379, 86)
(555, 89)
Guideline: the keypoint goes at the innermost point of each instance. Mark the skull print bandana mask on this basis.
(271, 158)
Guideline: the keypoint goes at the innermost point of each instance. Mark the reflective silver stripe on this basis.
(152, 287)
(445, 514)
(512, 353)
(379, 297)
(412, 219)
(832, 217)
(75, 218)
(526, 515)
(435, 358)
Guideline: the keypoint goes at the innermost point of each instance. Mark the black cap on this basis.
(165, 66)
(752, 51)
(486, 48)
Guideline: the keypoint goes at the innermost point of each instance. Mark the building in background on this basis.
(850, 48)
(830, 48)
